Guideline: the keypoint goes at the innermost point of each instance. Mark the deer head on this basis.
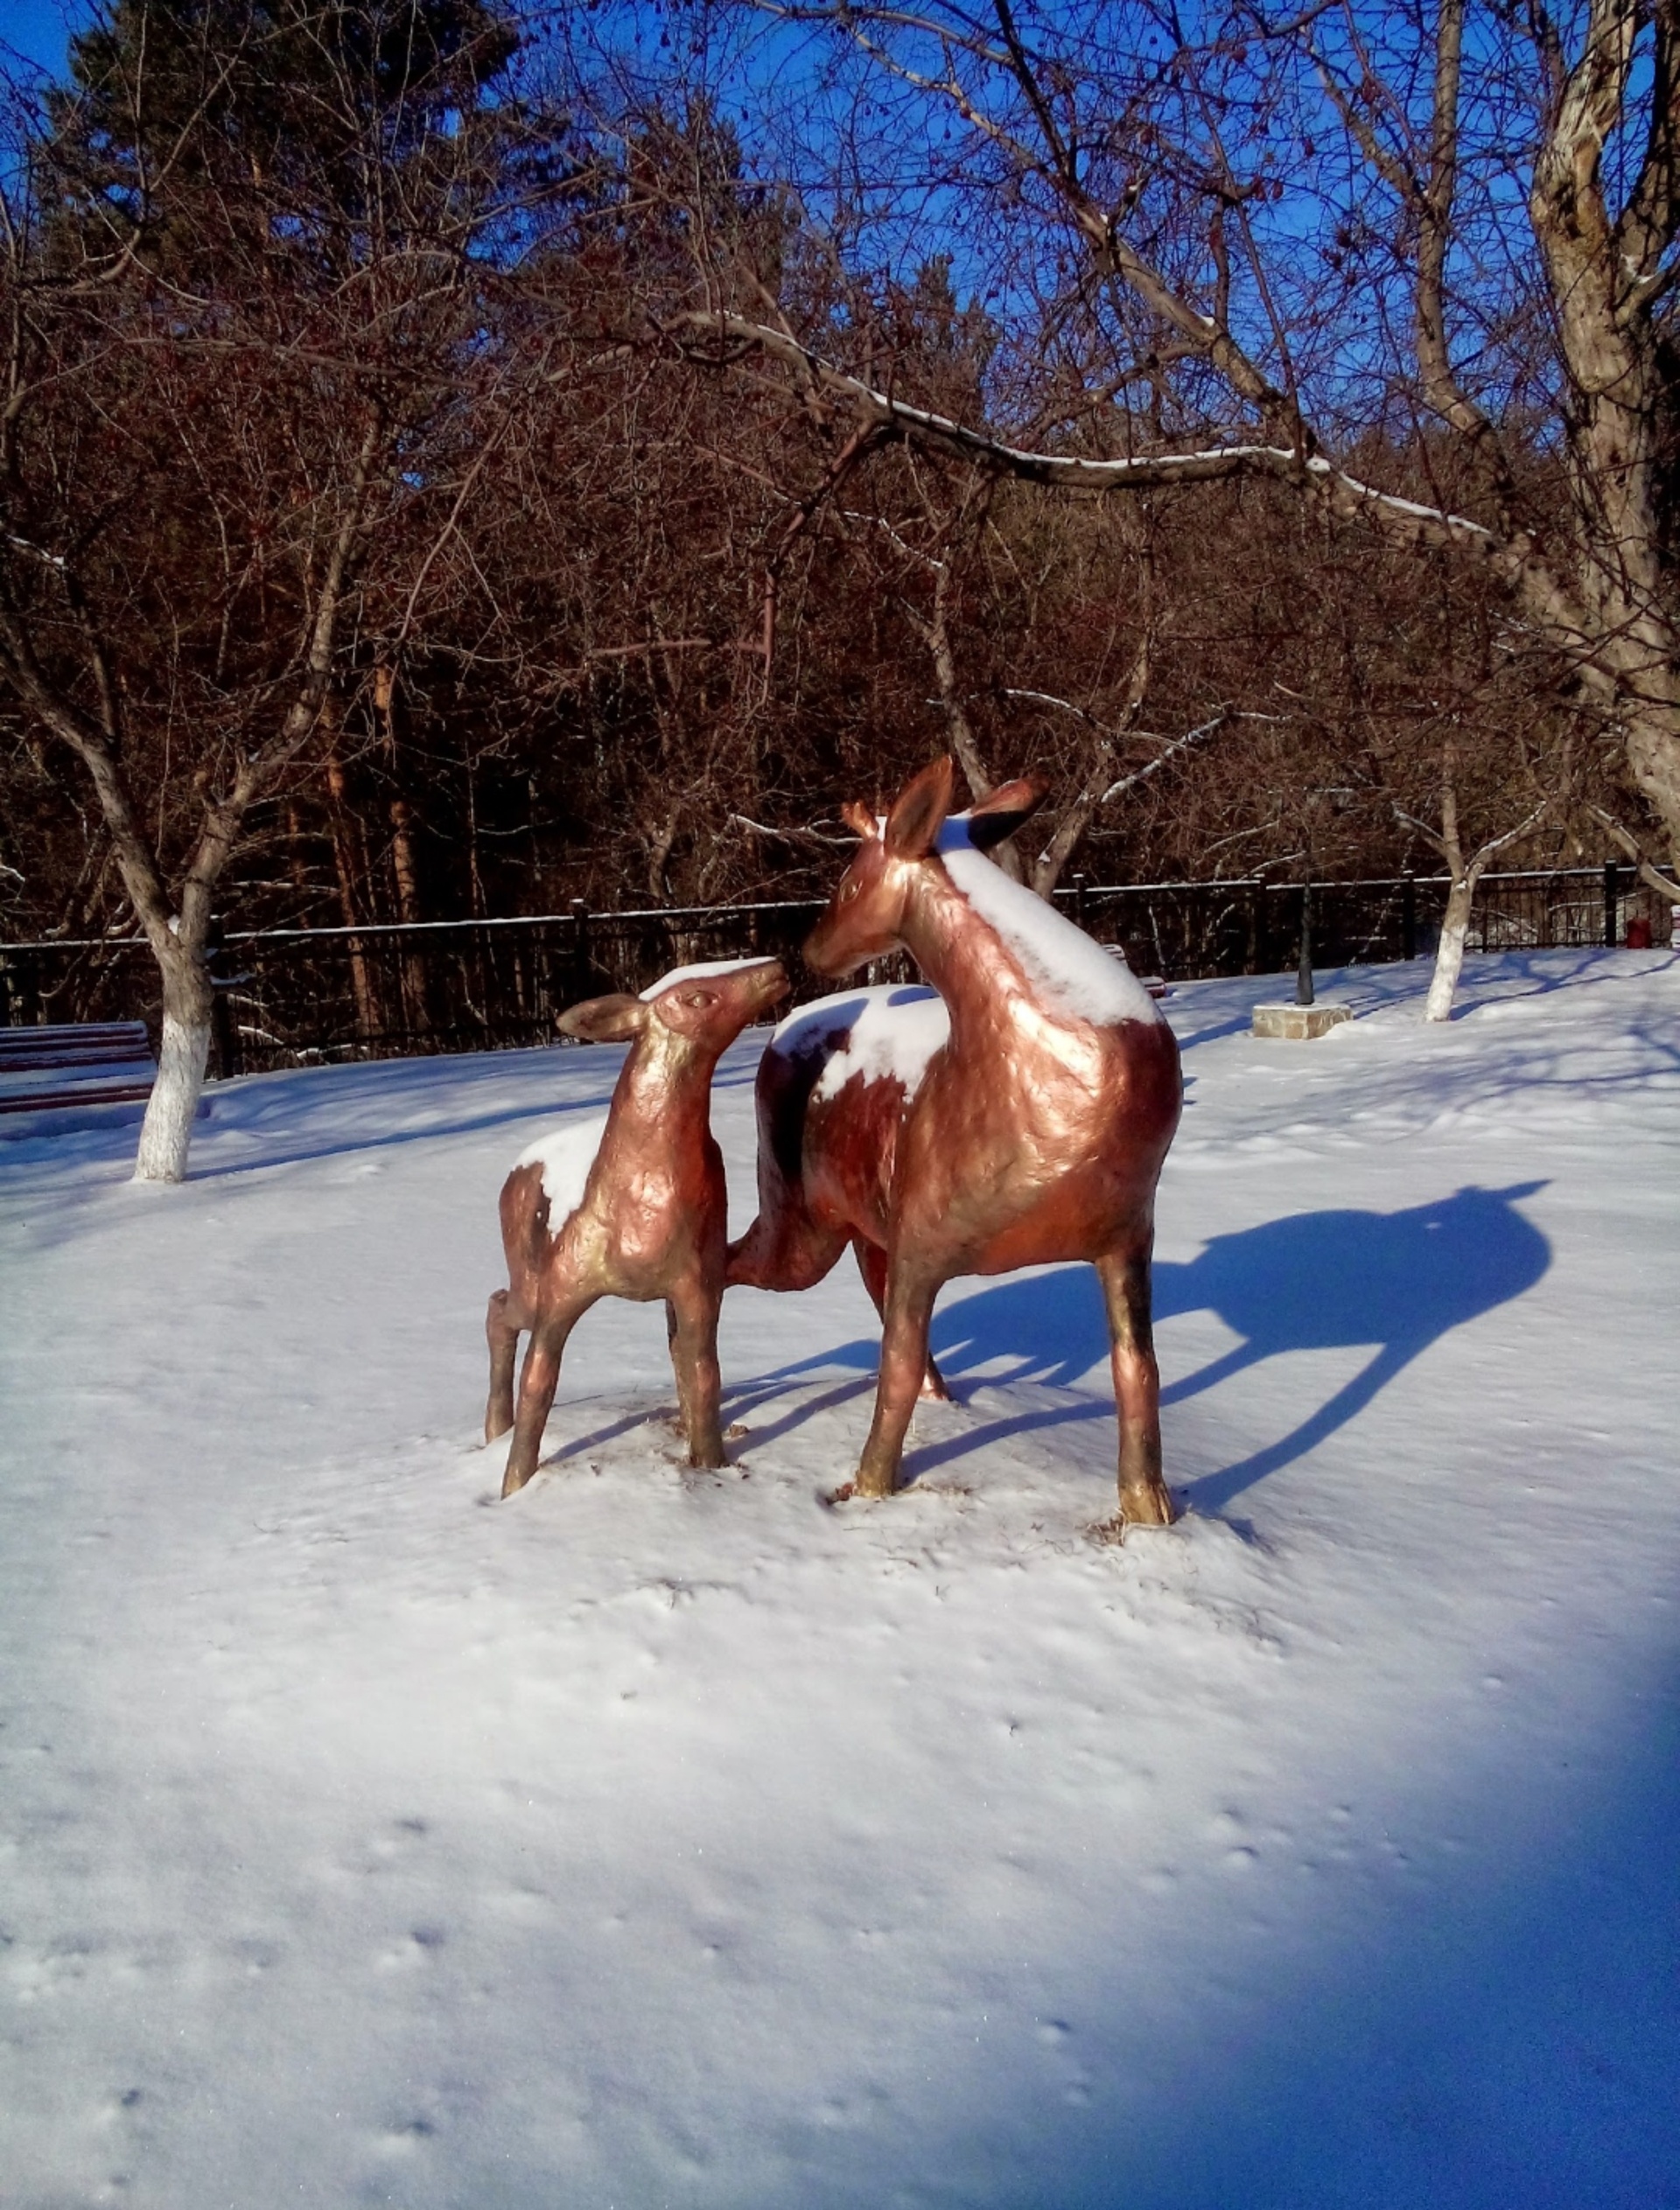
(705, 1007)
(865, 916)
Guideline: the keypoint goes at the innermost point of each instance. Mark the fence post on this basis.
(1409, 916)
(1304, 969)
(1080, 882)
(221, 1019)
(1610, 903)
(26, 994)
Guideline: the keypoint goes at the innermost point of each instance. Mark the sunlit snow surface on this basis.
(664, 1838)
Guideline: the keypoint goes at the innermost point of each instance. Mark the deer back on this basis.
(833, 1088)
(1040, 1128)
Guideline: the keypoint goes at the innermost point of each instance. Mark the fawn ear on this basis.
(859, 820)
(604, 1020)
(918, 810)
(1002, 811)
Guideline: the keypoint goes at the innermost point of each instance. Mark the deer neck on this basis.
(967, 962)
(665, 1082)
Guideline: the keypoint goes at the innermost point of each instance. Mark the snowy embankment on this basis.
(668, 1838)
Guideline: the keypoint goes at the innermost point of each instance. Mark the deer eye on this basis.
(699, 999)
(847, 891)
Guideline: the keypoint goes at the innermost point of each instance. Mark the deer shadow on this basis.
(1396, 1282)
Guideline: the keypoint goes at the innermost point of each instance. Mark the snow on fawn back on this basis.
(631, 1205)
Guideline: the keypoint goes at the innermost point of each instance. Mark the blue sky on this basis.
(40, 29)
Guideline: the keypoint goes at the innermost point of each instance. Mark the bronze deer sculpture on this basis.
(1033, 1132)
(629, 1204)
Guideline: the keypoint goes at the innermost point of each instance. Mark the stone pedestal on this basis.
(1298, 1022)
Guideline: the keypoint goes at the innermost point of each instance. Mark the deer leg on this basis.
(538, 1378)
(691, 1313)
(1144, 1498)
(904, 1365)
(872, 1264)
(501, 1326)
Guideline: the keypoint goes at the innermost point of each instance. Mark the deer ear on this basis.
(604, 1020)
(859, 820)
(1002, 811)
(918, 810)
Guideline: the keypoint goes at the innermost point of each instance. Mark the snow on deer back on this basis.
(831, 1093)
(1074, 978)
(631, 1203)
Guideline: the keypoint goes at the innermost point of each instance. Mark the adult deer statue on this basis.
(1032, 1131)
(630, 1203)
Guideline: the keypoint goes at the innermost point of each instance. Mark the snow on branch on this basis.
(35, 552)
(786, 835)
(1178, 744)
(1347, 494)
(1080, 713)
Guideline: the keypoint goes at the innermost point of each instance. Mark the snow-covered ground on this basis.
(663, 1838)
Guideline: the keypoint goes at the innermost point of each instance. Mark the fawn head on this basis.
(865, 916)
(705, 1007)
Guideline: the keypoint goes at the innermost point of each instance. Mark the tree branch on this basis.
(1647, 871)
(224, 817)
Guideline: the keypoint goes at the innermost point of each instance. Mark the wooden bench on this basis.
(93, 1063)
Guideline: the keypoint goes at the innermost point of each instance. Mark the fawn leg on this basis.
(872, 1264)
(1144, 1498)
(677, 1368)
(904, 1365)
(537, 1381)
(501, 1326)
(691, 1315)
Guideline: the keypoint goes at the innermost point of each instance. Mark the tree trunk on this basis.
(1606, 271)
(345, 867)
(167, 1130)
(407, 905)
(1653, 729)
(1449, 953)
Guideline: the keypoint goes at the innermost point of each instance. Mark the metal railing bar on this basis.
(606, 918)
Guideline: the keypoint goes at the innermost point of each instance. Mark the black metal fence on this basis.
(291, 997)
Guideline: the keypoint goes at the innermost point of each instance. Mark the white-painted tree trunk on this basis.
(1449, 953)
(167, 1130)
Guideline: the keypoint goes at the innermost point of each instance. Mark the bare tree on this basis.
(1225, 253)
(1465, 871)
(240, 294)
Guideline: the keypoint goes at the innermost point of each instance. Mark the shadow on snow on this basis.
(1396, 1282)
